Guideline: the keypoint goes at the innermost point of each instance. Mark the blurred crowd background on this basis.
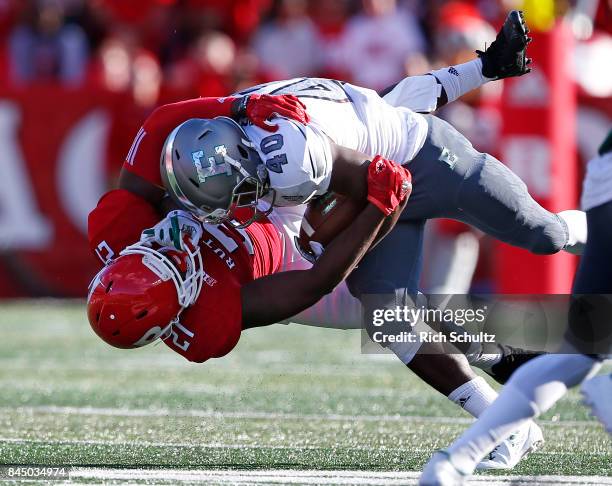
(148, 52)
(161, 50)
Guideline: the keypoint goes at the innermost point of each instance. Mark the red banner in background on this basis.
(53, 169)
(539, 144)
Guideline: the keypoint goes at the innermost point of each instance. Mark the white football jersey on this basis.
(298, 157)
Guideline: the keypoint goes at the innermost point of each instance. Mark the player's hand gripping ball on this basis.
(325, 218)
(328, 215)
(389, 184)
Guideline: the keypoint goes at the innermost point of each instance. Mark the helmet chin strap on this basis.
(236, 165)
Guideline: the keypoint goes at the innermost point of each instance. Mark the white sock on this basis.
(474, 396)
(533, 389)
(510, 411)
(460, 79)
(577, 230)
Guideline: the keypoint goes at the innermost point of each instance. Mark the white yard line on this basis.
(237, 477)
(221, 446)
(140, 443)
(128, 412)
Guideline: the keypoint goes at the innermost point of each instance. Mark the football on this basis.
(324, 218)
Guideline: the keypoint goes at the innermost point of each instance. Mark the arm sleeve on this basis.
(300, 168)
(418, 93)
(143, 157)
(117, 221)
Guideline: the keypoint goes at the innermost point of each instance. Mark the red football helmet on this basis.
(135, 299)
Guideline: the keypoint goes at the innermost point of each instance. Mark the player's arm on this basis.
(505, 57)
(349, 178)
(117, 221)
(280, 296)
(142, 160)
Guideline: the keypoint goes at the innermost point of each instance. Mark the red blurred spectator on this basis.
(330, 17)
(603, 16)
(207, 68)
(377, 43)
(133, 12)
(239, 18)
(248, 71)
(44, 47)
(124, 66)
(287, 44)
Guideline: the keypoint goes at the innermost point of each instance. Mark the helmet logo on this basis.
(213, 166)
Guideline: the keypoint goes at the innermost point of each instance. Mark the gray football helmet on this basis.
(209, 167)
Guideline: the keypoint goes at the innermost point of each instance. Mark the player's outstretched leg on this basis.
(593, 288)
(453, 180)
(532, 390)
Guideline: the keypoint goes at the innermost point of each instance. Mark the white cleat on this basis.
(597, 395)
(516, 447)
(440, 472)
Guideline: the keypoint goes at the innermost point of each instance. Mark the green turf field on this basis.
(288, 397)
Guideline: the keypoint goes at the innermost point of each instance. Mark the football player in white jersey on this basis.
(451, 179)
(539, 384)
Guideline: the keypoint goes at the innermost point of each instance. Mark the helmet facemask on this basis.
(246, 194)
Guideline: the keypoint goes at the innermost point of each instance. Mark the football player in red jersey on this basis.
(221, 279)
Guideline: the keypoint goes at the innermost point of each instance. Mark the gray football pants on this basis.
(453, 180)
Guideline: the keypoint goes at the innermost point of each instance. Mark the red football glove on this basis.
(388, 184)
(260, 108)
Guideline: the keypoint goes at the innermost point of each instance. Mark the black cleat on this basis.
(512, 359)
(506, 56)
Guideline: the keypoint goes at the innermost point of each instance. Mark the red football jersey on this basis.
(231, 257)
(211, 327)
